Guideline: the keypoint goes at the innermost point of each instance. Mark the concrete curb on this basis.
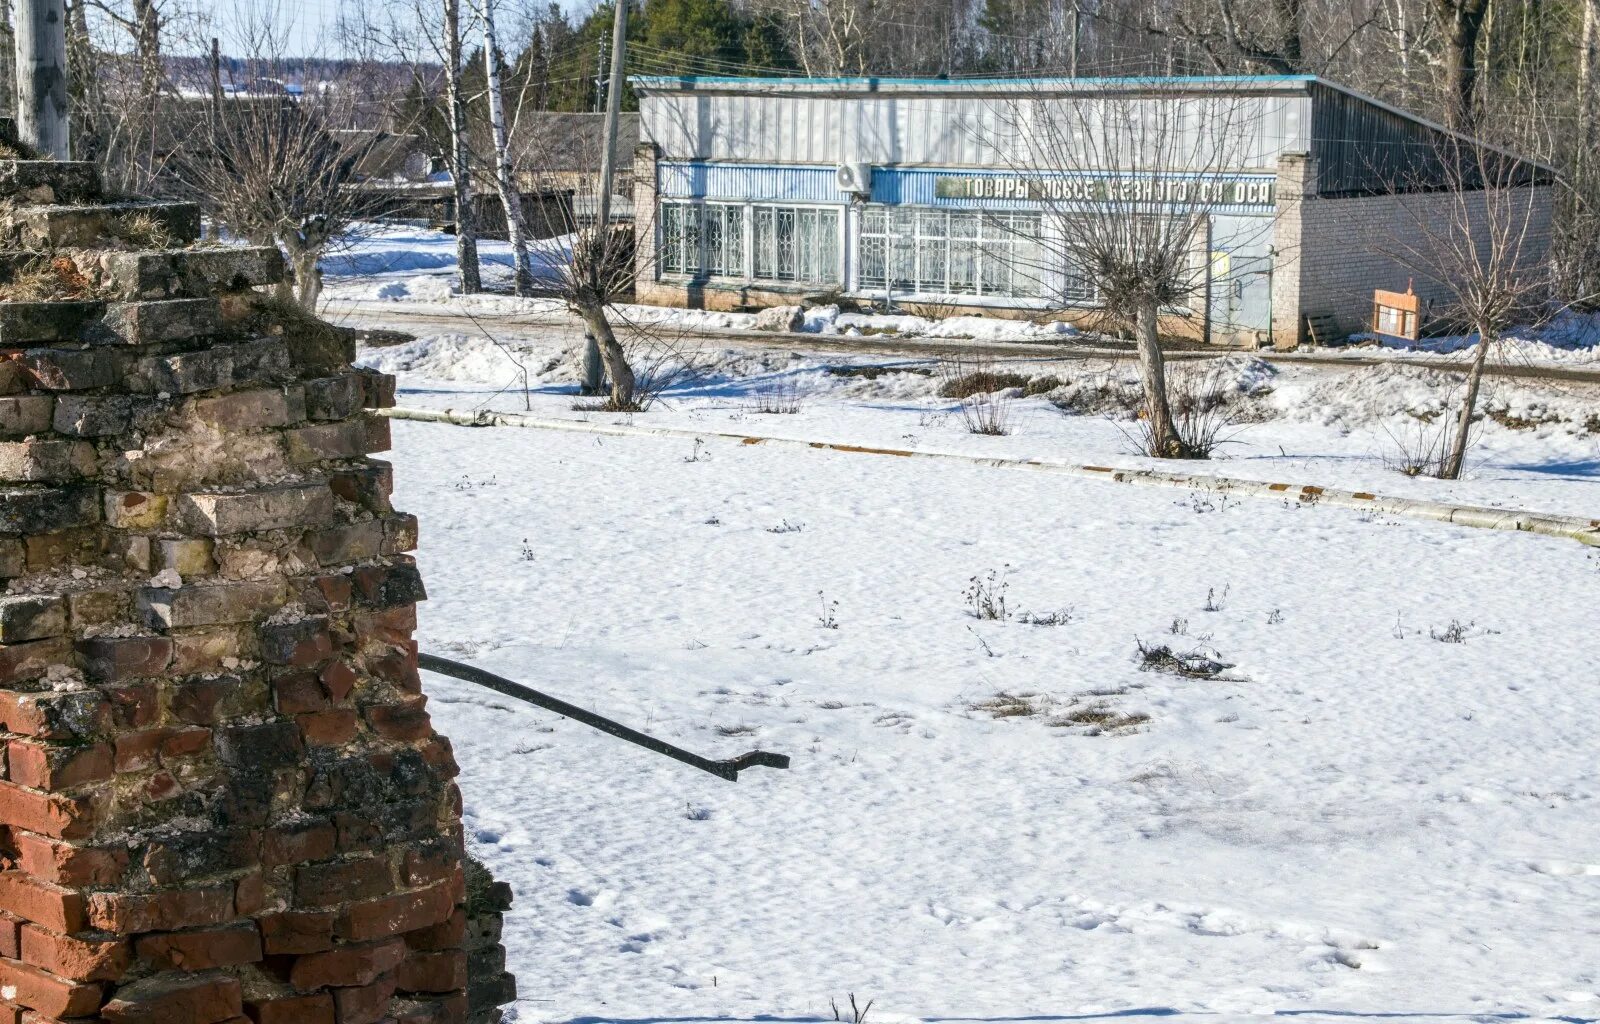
(1584, 531)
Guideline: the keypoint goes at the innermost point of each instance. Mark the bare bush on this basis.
(982, 391)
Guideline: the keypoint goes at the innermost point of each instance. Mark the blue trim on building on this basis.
(748, 182)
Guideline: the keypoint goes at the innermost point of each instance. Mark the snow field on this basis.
(1356, 818)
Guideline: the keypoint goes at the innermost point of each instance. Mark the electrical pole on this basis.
(41, 33)
(608, 157)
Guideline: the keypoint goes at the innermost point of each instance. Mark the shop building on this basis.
(753, 192)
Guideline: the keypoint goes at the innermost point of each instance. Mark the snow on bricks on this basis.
(222, 800)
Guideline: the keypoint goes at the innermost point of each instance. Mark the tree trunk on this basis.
(616, 361)
(1451, 470)
(1586, 83)
(1461, 22)
(593, 370)
(1164, 440)
(307, 281)
(510, 196)
(460, 155)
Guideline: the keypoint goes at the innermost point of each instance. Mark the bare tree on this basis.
(505, 174)
(1479, 236)
(1135, 240)
(274, 170)
(460, 154)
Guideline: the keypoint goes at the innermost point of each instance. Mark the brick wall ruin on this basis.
(223, 800)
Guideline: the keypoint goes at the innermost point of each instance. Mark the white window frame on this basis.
(747, 277)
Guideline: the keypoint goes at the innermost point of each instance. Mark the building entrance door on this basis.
(1241, 296)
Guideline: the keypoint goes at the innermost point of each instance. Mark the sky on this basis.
(309, 27)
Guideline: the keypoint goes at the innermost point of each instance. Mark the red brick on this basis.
(168, 910)
(20, 663)
(433, 972)
(296, 844)
(332, 728)
(250, 893)
(312, 1009)
(332, 593)
(83, 957)
(50, 995)
(298, 693)
(201, 949)
(392, 626)
(347, 965)
(298, 931)
(444, 935)
(49, 814)
(365, 1005)
(339, 679)
(450, 1009)
(186, 741)
(440, 756)
(59, 863)
(206, 998)
(434, 863)
(402, 723)
(196, 701)
(160, 786)
(10, 936)
(324, 885)
(133, 705)
(115, 659)
(398, 666)
(402, 912)
(297, 644)
(53, 766)
(137, 751)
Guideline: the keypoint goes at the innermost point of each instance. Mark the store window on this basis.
(787, 244)
(995, 254)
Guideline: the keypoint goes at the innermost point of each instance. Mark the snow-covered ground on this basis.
(1378, 800)
(415, 268)
(1359, 817)
(1384, 806)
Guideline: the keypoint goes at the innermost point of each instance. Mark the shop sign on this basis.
(1209, 190)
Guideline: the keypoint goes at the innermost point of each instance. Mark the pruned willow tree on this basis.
(275, 169)
(1473, 223)
(1127, 184)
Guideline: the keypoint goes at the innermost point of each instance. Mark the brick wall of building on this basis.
(222, 797)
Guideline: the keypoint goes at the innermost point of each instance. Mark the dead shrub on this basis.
(970, 384)
(982, 391)
(46, 279)
(1192, 664)
(1041, 385)
(141, 230)
(781, 398)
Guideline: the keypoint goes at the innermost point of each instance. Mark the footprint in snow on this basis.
(579, 898)
(1563, 868)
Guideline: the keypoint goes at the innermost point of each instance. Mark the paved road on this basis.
(392, 316)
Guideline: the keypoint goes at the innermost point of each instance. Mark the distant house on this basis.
(561, 152)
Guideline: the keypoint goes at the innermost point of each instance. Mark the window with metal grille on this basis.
(785, 243)
(960, 252)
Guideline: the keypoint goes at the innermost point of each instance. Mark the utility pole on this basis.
(608, 157)
(593, 368)
(1077, 28)
(41, 31)
(216, 76)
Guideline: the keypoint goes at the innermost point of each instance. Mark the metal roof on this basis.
(1055, 84)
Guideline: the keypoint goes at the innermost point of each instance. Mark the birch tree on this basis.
(505, 180)
(461, 154)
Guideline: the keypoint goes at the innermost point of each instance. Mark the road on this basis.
(396, 317)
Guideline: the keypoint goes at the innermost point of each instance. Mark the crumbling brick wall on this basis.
(223, 799)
